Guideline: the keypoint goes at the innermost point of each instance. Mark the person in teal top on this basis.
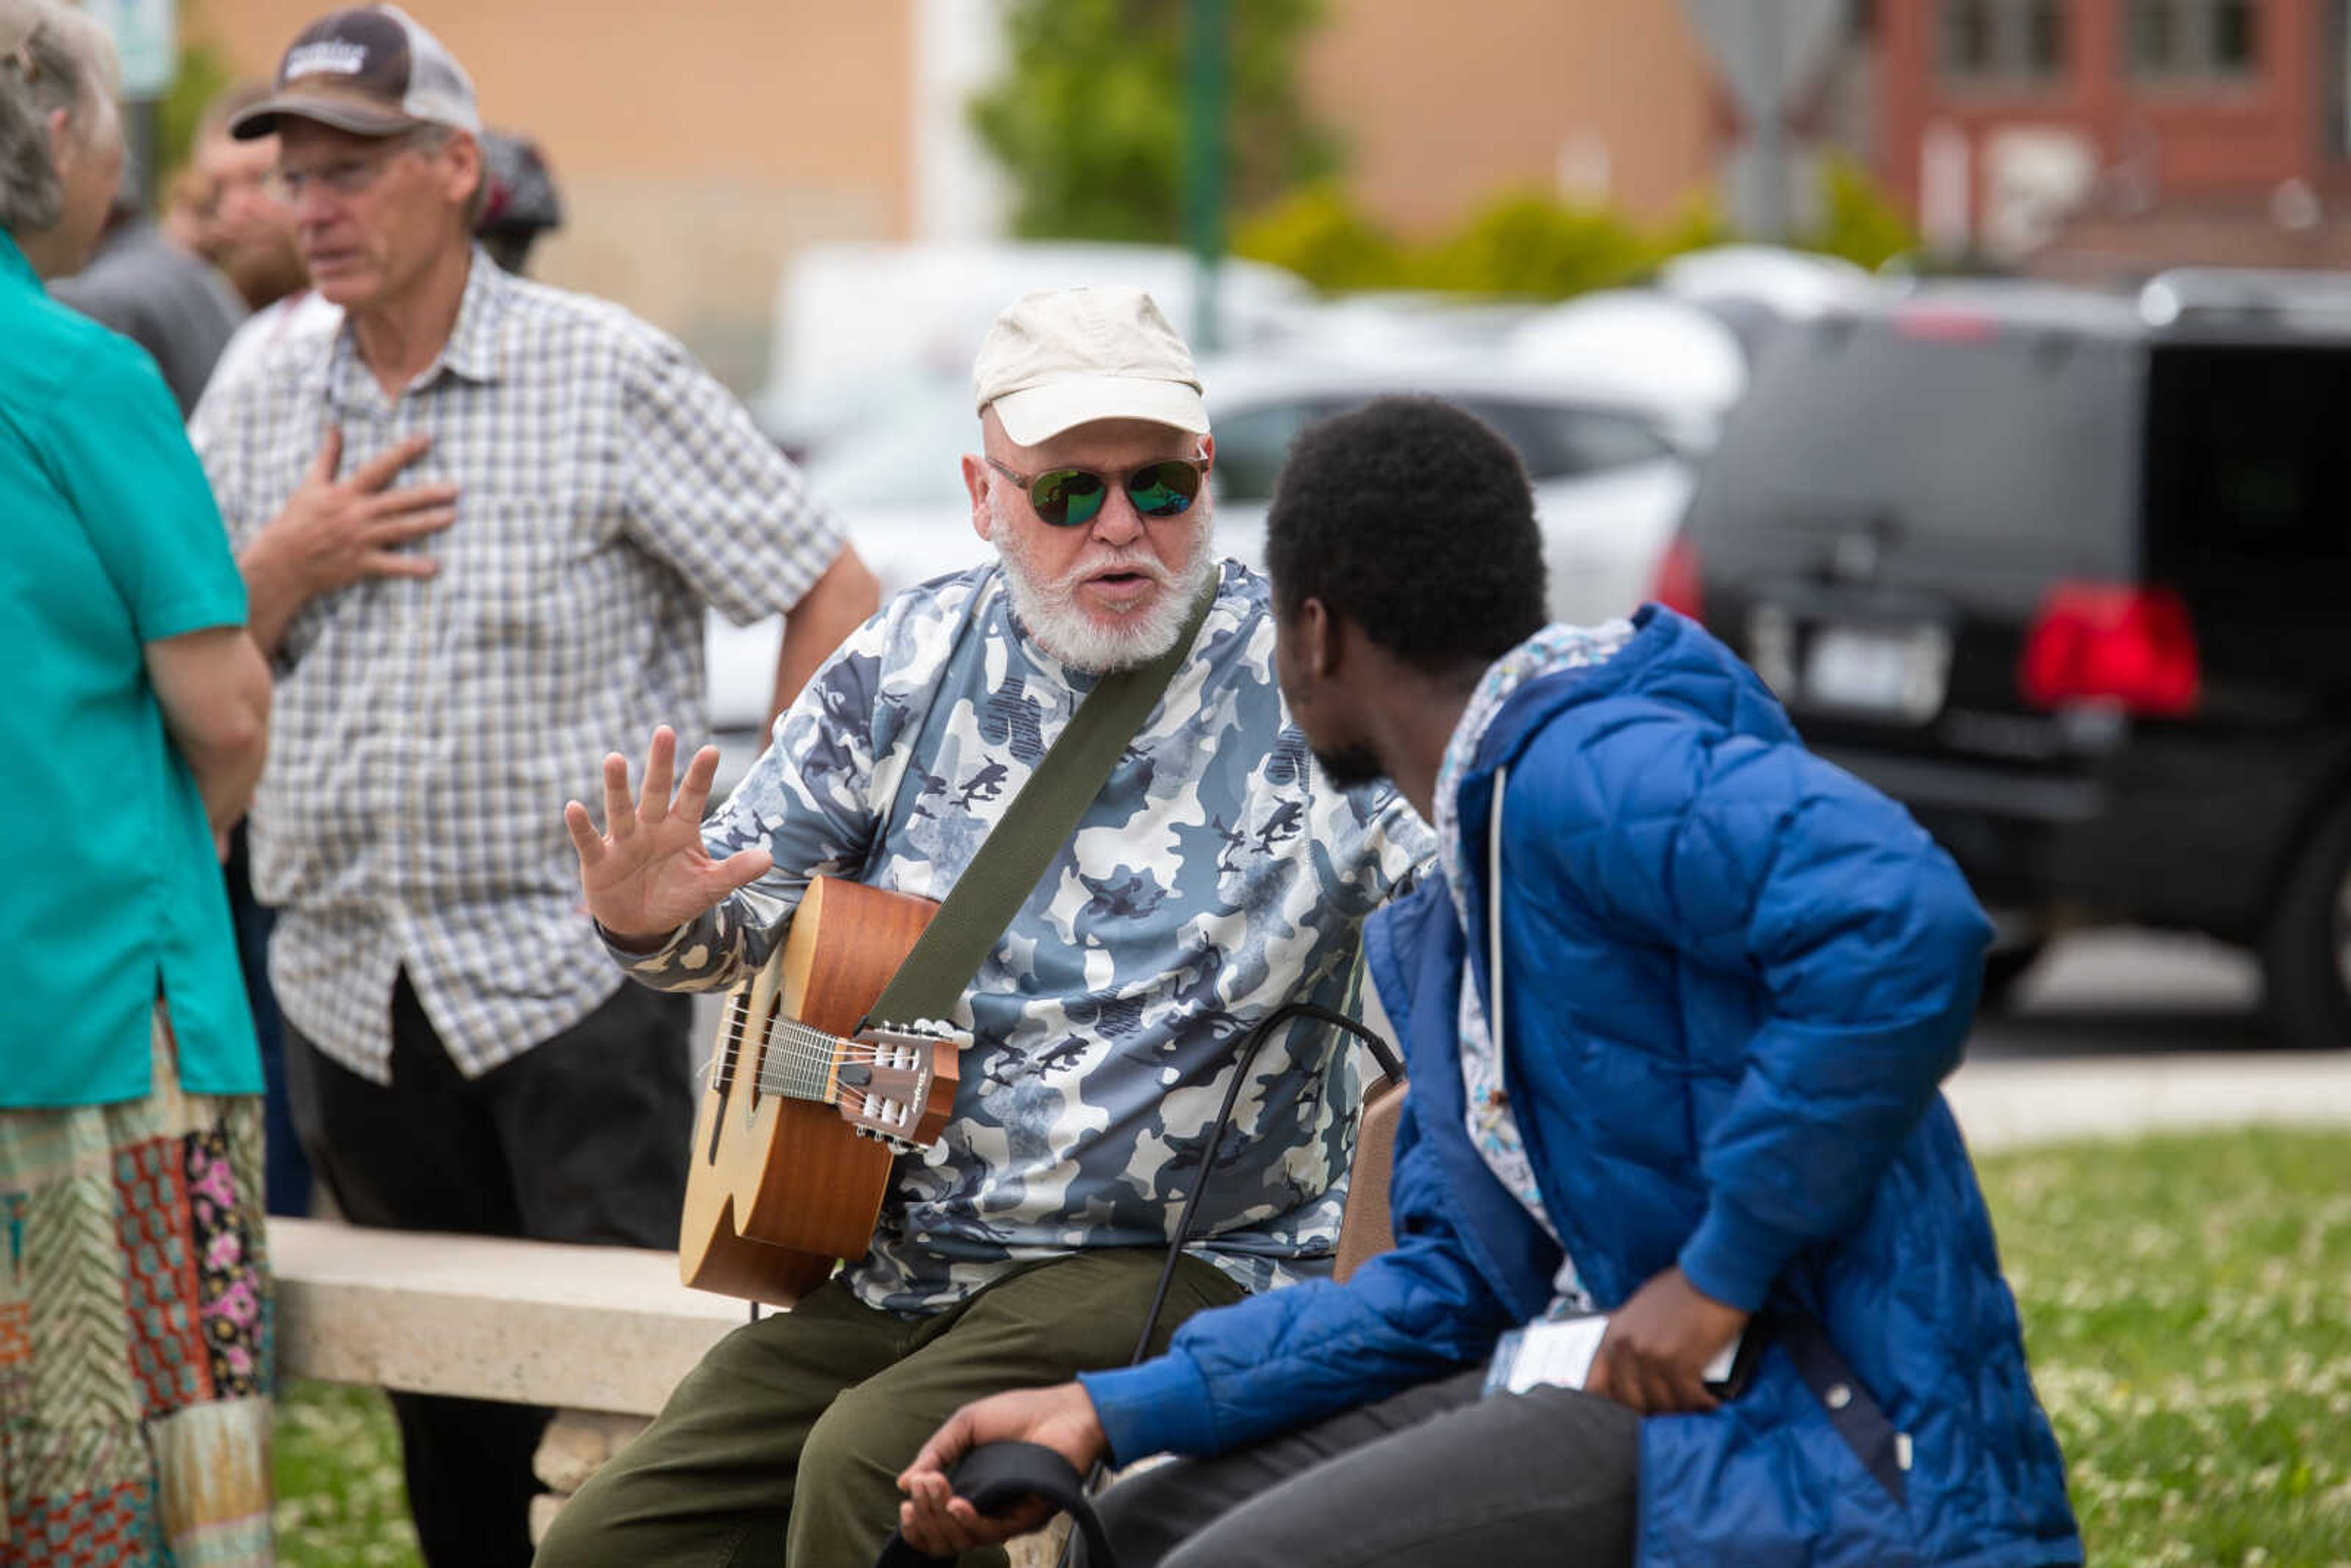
(114, 546)
(135, 1300)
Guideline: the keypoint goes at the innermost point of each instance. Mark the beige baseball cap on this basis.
(1067, 357)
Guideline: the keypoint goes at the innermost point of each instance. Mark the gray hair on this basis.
(52, 56)
(430, 139)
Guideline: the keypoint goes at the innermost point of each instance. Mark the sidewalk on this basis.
(2007, 1103)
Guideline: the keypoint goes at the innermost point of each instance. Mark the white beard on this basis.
(1049, 611)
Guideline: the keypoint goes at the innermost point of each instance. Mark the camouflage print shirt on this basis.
(1216, 876)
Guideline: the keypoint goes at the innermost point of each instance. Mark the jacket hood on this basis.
(1671, 661)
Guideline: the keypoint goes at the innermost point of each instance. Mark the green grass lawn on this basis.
(340, 1499)
(2187, 1303)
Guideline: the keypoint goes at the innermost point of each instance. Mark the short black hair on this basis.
(1414, 519)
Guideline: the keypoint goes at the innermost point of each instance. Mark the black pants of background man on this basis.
(1433, 1475)
(581, 1138)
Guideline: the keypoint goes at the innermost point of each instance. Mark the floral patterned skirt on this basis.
(136, 1367)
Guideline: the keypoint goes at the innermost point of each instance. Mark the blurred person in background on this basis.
(135, 1300)
(522, 203)
(182, 217)
(167, 300)
(453, 652)
(247, 232)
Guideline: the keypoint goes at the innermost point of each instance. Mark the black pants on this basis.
(1433, 1476)
(581, 1138)
(285, 1170)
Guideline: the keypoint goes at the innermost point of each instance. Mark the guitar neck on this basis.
(800, 1063)
(881, 1081)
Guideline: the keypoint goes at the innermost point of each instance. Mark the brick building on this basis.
(2108, 138)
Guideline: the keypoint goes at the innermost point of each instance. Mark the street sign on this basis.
(146, 34)
(1770, 51)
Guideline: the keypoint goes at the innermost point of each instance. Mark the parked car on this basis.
(2066, 573)
(1672, 356)
(1756, 290)
(1794, 285)
(1612, 471)
(1612, 474)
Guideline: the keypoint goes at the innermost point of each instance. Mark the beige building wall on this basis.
(697, 143)
(1444, 102)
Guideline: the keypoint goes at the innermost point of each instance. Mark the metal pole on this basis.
(1207, 37)
(1770, 128)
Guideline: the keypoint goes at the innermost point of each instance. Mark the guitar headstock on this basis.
(897, 1083)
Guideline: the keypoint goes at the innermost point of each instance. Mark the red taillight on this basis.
(1941, 324)
(1676, 585)
(2097, 642)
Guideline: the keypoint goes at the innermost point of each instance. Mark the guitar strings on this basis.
(807, 1057)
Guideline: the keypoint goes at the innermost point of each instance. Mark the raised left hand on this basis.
(1654, 1356)
(934, 1520)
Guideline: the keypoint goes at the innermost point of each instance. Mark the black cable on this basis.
(1389, 1064)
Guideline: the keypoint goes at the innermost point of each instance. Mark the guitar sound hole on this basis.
(722, 1073)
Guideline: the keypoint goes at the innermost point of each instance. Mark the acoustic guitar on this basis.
(803, 1112)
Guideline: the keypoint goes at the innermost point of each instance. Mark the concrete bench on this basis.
(601, 1333)
(532, 1322)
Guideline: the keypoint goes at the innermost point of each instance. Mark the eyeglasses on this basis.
(343, 176)
(1070, 497)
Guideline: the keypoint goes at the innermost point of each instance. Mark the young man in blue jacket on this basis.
(1675, 1010)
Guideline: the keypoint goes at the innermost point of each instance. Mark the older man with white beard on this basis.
(1214, 877)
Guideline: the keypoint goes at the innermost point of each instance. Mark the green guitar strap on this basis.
(1039, 820)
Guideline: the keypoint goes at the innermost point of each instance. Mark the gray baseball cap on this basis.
(373, 71)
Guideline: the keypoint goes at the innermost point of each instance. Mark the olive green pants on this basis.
(784, 1445)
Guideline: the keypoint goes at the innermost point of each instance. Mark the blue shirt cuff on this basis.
(1734, 1257)
(1159, 1407)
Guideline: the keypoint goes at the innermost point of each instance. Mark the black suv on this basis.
(2069, 575)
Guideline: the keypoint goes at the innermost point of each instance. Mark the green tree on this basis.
(1089, 116)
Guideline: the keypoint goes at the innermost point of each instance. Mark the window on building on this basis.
(2005, 41)
(2191, 39)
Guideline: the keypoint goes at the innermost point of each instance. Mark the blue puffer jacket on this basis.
(1736, 976)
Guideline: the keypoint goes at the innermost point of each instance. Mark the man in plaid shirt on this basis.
(461, 1053)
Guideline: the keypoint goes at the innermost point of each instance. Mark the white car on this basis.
(1612, 474)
